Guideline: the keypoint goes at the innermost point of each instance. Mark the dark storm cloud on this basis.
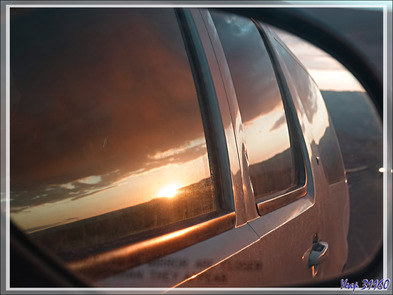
(95, 92)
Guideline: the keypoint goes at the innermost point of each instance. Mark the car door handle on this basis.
(318, 253)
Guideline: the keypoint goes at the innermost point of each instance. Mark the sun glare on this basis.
(168, 191)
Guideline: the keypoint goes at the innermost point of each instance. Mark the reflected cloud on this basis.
(266, 126)
(91, 200)
(67, 186)
(282, 120)
(87, 186)
(194, 144)
(238, 25)
(52, 193)
(61, 133)
(90, 180)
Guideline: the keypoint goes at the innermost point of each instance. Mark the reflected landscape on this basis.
(106, 231)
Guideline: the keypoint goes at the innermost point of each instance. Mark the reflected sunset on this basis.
(111, 195)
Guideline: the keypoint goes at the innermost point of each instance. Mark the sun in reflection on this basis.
(168, 191)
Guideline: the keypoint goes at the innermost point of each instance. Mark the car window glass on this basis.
(271, 160)
(107, 140)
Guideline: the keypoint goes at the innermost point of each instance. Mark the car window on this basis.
(270, 152)
(107, 139)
